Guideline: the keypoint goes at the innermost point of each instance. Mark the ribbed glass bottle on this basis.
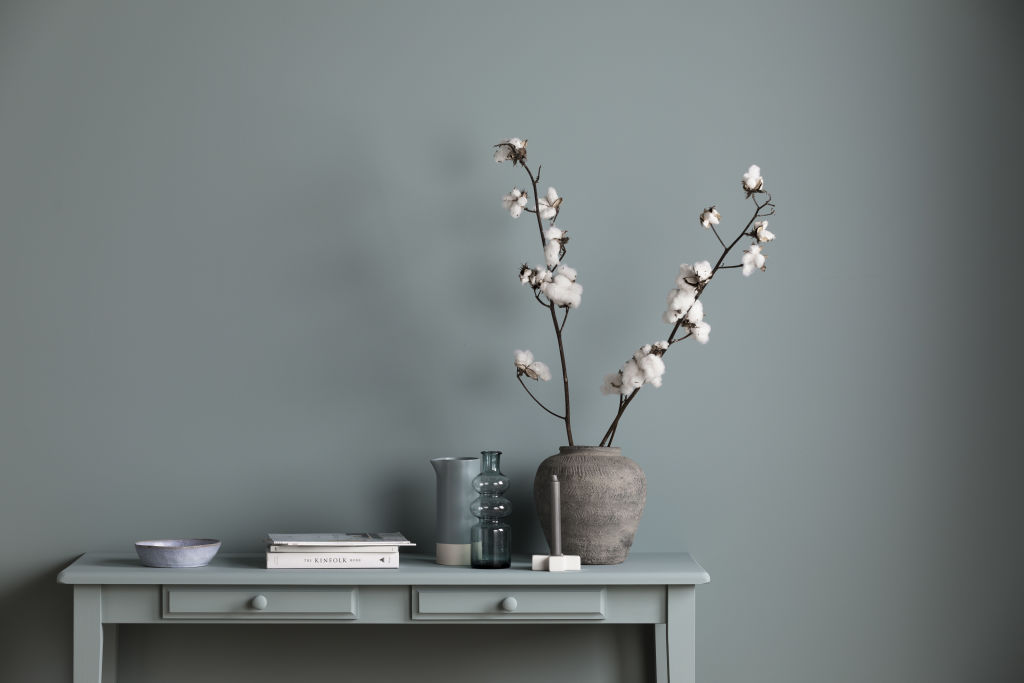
(491, 537)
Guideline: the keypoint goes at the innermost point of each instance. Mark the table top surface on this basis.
(414, 569)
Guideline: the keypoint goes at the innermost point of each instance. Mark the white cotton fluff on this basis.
(612, 384)
(710, 216)
(523, 359)
(752, 180)
(514, 202)
(554, 233)
(762, 232)
(553, 246)
(682, 299)
(505, 149)
(753, 260)
(687, 276)
(703, 271)
(653, 368)
(632, 376)
(526, 274)
(696, 313)
(538, 370)
(541, 275)
(534, 369)
(552, 250)
(562, 291)
(701, 331)
(567, 271)
(548, 204)
(679, 302)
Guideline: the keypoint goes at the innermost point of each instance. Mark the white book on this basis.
(342, 539)
(332, 548)
(333, 560)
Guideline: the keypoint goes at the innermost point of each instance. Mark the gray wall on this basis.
(254, 273)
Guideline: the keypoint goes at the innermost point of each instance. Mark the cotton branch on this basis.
(762, 210)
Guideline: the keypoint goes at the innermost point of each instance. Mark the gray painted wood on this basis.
(508, 603)
(88, 635)
(681, 634)
(307, 602)
(109, 653)
(660, 653)
(649, 589)
(250, 569)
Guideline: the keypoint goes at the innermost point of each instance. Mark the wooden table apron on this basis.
(649, 588)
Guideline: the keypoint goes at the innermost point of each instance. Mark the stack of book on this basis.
(335, 551)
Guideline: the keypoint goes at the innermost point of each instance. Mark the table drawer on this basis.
(254, 602)
(509, 603)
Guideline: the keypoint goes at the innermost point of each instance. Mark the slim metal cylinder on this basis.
(556, 516)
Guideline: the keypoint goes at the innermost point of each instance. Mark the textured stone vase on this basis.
(603, 496)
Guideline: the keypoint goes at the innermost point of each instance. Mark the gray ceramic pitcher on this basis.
(454, 520)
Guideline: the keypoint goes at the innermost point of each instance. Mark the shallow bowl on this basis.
(177, 552)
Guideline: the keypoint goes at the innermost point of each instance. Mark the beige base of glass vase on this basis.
(603, 495)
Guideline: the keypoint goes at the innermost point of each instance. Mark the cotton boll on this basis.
(556, 239)
(523, 359)
(703, 271)
(696, 313)
(753, 260)
(534, 369)
(548, 204)
(762, 232)
(752, 180)
(679, 301)
(653, 368)
(701, 332)
(709, 217)
(632, 376)
(612, 384)
(562, 291)
(687, 276)
(515, 201)
(510, 149)
(552, 250)
(538, 370)
(567, 272)
(526, 274)
(682, 300)
(541, 275)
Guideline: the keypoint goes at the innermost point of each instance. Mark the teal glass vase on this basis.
(491, 539)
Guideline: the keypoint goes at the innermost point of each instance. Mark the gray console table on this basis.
(112, 589)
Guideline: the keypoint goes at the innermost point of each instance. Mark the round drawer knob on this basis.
(509, 604)
(259, 602)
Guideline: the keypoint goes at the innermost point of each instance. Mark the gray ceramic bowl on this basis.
(177, 552)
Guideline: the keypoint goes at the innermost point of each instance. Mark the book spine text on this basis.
(332, 560)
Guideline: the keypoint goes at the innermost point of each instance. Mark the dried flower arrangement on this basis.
(554, 285)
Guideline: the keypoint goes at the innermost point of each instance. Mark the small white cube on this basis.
(556, 563)
(564, 563)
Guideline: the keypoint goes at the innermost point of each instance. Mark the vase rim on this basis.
(600, 450)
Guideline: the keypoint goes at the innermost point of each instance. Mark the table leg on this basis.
(88, 636)
(681, 634)
(660, 653)
(109, 653)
